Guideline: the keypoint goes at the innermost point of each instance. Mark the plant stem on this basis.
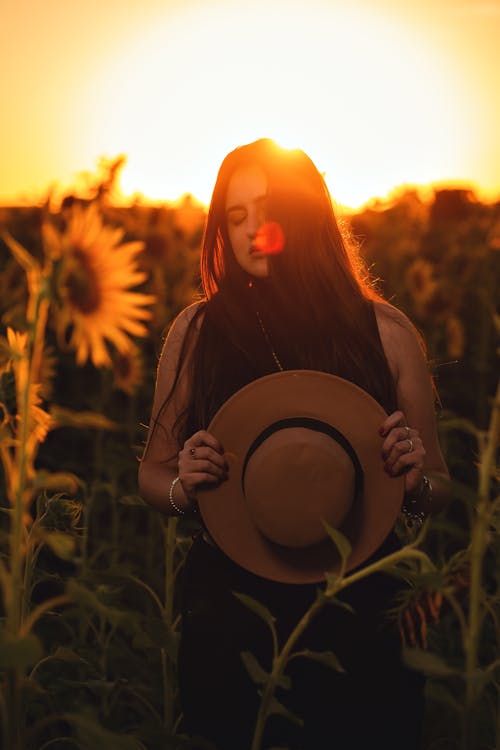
(280, 662)
(479, 542)
(29, 367)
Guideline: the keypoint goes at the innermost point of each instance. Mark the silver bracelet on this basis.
(416, 517)
(178, 510)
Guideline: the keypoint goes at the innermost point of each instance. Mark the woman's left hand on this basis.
(402, 450)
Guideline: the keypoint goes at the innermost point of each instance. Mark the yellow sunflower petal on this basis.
(96, 287)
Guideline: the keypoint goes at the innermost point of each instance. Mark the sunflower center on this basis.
(82, 284)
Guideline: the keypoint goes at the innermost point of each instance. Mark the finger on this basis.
(396, 419)
(202, 437)
(398, 436)
(206, 453)
(393, 448)
(203, 477)
(211, 441)
(406, 462)
(187, 467)
(210, 468)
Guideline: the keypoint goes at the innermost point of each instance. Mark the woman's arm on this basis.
(168, 472)
(411, 441)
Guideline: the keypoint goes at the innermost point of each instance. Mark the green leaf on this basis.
(57, 480)
(132, 500)
(324, 657)
(328, 596)
(83, 419)
(256, 607)
(92, 735)
(426, 662)
(342, 604)
(333, 581)
(275, 707)
(23, 257)
(62, 653)
(19, 651)
(254, 669)
(63, 545)
(438, 692)
(341, 542)
(154, 633)
(460, 424)
(88, 600)
(259, 674)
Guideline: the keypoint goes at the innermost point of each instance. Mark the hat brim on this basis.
(311, 394)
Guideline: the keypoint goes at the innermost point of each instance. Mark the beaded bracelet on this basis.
(413, 516)
(178, 510)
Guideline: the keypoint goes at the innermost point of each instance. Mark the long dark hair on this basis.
(316, 304)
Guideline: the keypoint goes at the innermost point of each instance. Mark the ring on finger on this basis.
(193, 452)
(407, 431)
(410, 445)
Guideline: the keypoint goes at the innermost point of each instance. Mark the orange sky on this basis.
(379, 92)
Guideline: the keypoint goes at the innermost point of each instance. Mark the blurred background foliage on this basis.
(107, 674)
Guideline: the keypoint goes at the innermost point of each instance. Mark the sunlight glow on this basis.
(366, 98)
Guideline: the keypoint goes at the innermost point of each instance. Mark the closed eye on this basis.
(236, 216)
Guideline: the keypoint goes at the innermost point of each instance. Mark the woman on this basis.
(310, 306)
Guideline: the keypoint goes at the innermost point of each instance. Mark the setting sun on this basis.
(378, 93)
(370, 101)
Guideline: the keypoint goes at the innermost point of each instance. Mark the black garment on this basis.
(375, 703)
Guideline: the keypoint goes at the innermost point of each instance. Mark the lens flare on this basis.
(270, 238)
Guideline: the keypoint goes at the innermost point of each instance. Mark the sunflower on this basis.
(17, 343)
(40, 420)
(48, 371)
(420, 280)
(128, 370)
(96, 303)
(13, 352)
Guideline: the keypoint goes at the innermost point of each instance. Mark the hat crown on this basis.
(296, 480)
(237, 513)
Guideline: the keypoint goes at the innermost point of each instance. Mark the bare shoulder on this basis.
(401, 341)
(183, 320)
(392, 320)
(188, 321)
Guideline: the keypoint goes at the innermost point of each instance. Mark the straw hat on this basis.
(303, 448)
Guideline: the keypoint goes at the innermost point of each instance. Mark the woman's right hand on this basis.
(201, 461)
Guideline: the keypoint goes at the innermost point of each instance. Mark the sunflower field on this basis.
(89, 602)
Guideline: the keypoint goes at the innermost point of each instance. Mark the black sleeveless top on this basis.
(224, 363)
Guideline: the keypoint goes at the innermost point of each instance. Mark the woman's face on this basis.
(245, 213)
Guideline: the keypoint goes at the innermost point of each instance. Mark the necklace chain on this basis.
(266, 336)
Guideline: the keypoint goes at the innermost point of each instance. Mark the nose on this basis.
(252, 226)
(254, 222)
